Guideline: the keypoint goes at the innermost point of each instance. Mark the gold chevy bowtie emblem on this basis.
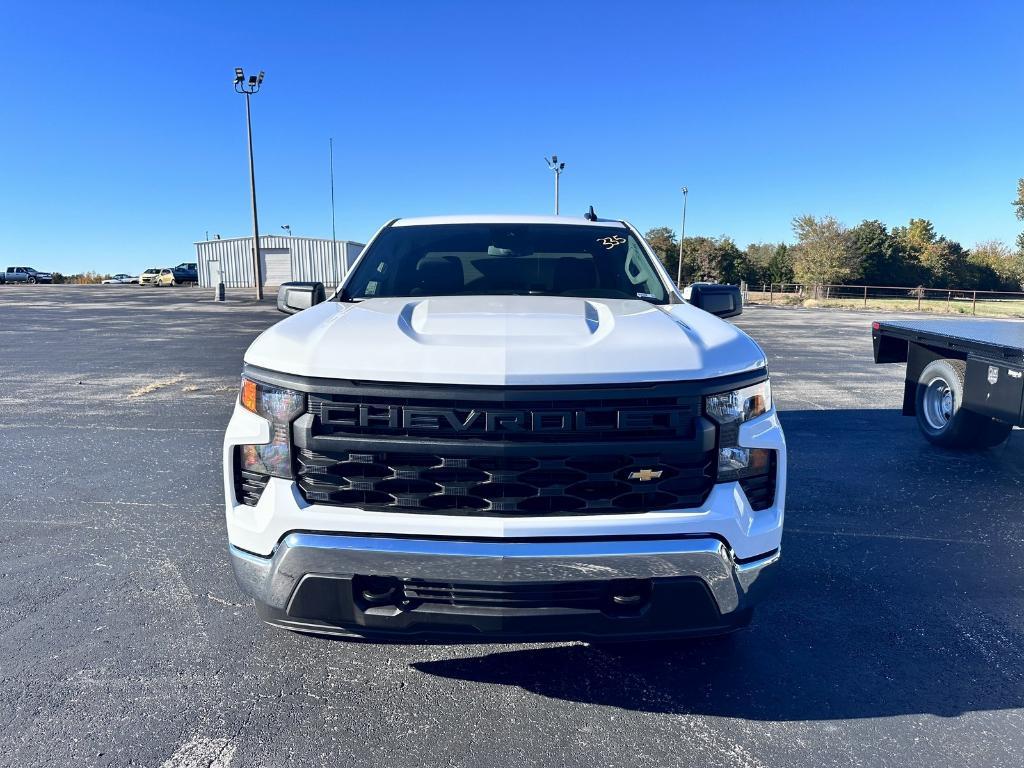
(644, 475)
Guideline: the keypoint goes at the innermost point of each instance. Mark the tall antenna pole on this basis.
(334, 237)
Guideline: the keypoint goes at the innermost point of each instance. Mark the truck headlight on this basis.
(280, 407)
(740, 405)
(729, 410)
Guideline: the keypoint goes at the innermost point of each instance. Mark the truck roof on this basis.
(506, 219)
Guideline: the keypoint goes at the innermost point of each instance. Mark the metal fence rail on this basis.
(920, 298)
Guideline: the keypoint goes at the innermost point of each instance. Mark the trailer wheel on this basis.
(940, 412)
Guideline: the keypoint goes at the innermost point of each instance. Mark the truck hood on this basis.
(510, 340)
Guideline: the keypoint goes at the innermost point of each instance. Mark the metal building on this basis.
(282, 258)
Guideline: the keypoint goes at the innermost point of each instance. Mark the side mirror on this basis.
(295, 297)
(721, 300)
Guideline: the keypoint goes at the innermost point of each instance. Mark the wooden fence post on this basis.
(949, 298)
(974, 304)
(771, 293)
(865, 297)
(920, 295)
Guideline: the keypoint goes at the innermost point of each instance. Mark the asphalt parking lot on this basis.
(894, 639)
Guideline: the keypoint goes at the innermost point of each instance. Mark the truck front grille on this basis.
(568, 484)
(506, 451)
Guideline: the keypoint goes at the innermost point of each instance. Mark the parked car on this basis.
(186, 273)
(505, 428)
(120, 279)
(165, 278)
(25, 275)
(149, 276)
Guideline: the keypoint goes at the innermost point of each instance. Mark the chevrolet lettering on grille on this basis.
(456, 421)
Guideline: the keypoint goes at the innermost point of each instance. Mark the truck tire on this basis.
(940, 413)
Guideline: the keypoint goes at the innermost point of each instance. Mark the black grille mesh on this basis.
(569, 484)
(582, 595)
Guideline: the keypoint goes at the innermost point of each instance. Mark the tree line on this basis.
(826, 251)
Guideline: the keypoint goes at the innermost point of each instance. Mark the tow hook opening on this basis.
(629, 596)
(376, 591)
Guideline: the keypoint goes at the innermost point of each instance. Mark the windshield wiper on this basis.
(652, 300)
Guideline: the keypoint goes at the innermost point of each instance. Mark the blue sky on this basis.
(122, 142)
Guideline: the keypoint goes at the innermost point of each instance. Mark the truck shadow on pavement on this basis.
(899, 594)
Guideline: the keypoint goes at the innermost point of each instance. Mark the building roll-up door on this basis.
(276, 265)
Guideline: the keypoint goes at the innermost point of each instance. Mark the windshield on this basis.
(506, 259)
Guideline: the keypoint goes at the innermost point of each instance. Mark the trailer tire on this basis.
(940, 413)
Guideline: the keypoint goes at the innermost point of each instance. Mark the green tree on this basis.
(944, 263)
(1018, 205)
(696, 252)
(780, 266)
(916, 236)
(759, 259)
(881, 255)
(822, 253)
(716, 260)
(994, 266)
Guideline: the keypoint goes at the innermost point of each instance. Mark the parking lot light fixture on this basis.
(557, 167)
(287, 228)
(248, 89)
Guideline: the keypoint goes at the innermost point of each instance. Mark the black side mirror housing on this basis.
(297, 296)
(721, 300)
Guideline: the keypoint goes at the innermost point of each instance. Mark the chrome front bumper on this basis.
(277, 582)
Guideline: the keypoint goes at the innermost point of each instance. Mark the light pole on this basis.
(557, 167)
(334, 235)
(682, 234)
(248, 88)
(287, 228)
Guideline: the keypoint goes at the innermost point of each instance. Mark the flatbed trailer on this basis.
(964, 379)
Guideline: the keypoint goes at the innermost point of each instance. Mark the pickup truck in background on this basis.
(26, 275)
(505, 428)
(964, 379)
(186, 273)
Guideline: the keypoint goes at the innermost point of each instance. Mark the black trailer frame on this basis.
(993, 351)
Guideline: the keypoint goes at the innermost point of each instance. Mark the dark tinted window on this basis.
(506, 259)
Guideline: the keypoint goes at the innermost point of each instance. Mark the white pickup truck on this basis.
(504, 428)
